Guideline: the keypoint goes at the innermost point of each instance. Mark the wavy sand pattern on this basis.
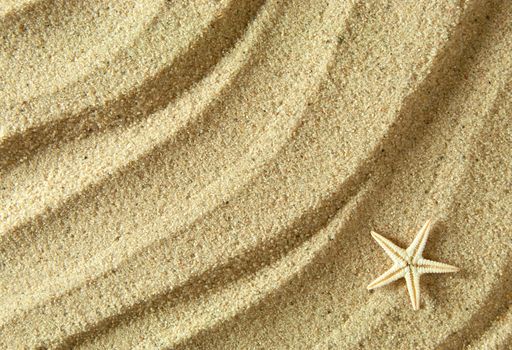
(205, 175)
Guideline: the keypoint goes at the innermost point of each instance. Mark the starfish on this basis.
(409, 263)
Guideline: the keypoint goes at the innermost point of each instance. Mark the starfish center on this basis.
(409, 261)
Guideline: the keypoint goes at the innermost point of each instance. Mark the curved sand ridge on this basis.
(206, 175)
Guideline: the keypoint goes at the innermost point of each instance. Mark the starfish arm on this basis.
(429, 266)
(412, 279)
(418, 245)
(391, 275)
(397, 254)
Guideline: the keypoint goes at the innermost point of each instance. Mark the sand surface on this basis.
(206, 174)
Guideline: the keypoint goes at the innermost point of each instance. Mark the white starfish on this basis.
(409, 263)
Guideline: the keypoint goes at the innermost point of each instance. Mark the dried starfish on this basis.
(409, 263)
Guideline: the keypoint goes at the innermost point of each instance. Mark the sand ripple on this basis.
(206, 174)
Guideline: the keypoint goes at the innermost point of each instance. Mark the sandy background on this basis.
(205, 174)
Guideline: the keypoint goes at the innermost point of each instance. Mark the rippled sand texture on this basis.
(205, 175)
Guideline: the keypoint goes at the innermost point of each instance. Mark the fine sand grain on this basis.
(205, 174)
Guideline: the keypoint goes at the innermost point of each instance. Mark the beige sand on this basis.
(205, 174)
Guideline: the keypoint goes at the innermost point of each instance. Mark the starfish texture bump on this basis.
(409, 263)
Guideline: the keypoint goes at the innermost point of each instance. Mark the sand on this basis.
(206, 174)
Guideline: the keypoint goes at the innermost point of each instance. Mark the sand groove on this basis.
(151, 95)
(145, 168)
(150, 127)
(206, 174)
